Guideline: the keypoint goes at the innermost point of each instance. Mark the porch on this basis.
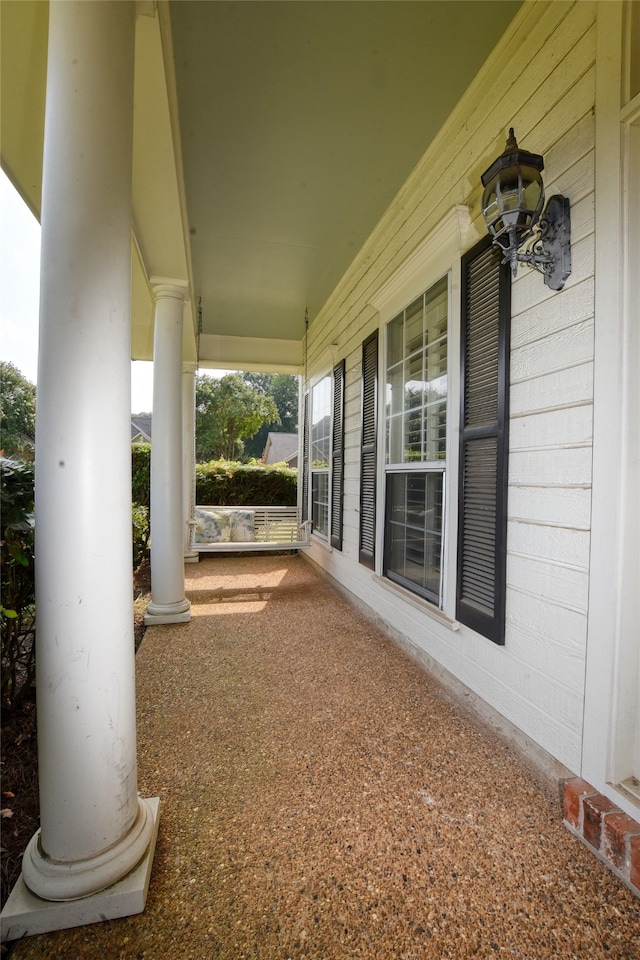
(322, 796)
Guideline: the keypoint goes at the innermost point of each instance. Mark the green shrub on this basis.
(17, 612)
(141, 473)
(141, 533)
(231, 484)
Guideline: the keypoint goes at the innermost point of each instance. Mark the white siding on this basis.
(541, 80)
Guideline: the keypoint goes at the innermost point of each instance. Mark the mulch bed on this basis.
(20, 801)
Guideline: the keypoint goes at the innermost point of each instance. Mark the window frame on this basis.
(333, 469)
(436, 256)
(419, 467)
(324, 471)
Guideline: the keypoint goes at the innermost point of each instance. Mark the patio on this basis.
(323, 797)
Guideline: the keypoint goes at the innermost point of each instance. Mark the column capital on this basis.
(189, 366)
(169, 287)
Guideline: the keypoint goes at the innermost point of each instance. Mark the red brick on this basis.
(634, 860)
(574, 790)
(593, 808)
(617, 826)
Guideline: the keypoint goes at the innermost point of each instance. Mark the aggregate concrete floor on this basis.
(324, 798)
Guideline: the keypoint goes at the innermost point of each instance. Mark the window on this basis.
(416, 436)
(320, 456)
(322, 486)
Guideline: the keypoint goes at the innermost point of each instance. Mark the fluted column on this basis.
(188, 455)
(168, 603)
(94, 828)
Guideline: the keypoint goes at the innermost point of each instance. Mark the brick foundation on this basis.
(611, 833)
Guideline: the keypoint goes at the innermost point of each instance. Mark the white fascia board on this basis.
(250, 353)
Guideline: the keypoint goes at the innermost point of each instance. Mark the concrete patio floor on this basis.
(322, 796)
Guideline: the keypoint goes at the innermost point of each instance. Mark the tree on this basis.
(17, 412)
(227, 412)
(283, 390)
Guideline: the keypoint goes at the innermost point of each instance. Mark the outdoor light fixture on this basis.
(512, 205)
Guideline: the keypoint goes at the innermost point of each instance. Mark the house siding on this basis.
(541, 80)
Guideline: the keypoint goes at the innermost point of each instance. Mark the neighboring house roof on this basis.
(140, 429)
(281, 447)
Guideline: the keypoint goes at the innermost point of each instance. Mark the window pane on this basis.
(435, 431)
(413, 535)
(395, 341)
(412, 437)
(320, 503)
(414, 327)
(413, 381)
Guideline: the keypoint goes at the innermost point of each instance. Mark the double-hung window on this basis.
(416, 443)
(320, 456)
(322, 486)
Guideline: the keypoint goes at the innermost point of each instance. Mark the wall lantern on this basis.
(512, 205)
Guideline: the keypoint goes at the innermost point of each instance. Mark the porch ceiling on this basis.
(299, 123)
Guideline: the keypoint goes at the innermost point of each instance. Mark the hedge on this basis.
(237, 485)
(223, 482)
(141, 473)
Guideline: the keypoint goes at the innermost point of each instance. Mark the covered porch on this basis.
(274, 187)
(325, 796)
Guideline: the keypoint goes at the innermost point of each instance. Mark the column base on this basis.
(191, 556)
(167, 613)
(26, 915)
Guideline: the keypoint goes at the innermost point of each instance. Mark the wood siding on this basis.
(541, 80)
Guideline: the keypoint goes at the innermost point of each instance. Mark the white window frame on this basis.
(436, 257)
(420, 467)
(325, 539)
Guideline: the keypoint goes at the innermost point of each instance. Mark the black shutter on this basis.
(305, 459)
(484, 418)
(337, 456)
(368, 452)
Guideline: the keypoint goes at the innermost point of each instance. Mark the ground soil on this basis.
(20, 801)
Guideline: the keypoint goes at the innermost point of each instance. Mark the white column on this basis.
(94, 828)
(188, 456)
(168, 603)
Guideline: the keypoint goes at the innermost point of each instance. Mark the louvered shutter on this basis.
(305, 459)
(337, 456)
(368, 451)
(482, 520)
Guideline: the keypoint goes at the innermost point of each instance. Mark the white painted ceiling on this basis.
(299, 123)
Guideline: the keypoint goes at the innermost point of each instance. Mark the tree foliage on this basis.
(228, 411)
(17, 412)
(17, 611)
(283, 390)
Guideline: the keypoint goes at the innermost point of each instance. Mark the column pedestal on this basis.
(26, 915)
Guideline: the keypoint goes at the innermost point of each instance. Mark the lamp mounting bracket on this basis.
(550, 251)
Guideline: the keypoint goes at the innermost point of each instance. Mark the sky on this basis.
(20, 295)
